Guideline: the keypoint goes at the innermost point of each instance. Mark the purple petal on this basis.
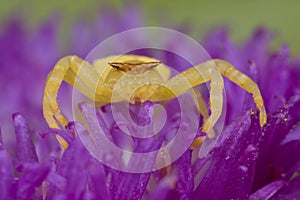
(97, 188)
(164, 188)
(125, 185)
(185, 179)
(56, 180)
(26, 149)
(293, 135)
(47, 146)
(267, 191)
(289, 191)
(232, 168)
(276, 87)
(256, 47)
(1, 140)
(7, 185)
(78, 171)
(32, 176)
(128, 185)
(72, 167)
(275, 159)
(287, 159)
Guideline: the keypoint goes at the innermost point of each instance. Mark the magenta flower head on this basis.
(136, 142)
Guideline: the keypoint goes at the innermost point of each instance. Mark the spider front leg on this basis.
(216, 101)
(246, 83)
(191, 78)
(200, 103)
(51, 109)
(77, 73)
(211, 70)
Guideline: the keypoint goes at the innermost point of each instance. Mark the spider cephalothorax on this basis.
(138, 79)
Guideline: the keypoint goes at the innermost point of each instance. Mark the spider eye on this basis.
(121, 66)
(114, 65)
(152, 65)
(134, 65)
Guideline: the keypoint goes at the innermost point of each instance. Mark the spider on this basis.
(137, 79)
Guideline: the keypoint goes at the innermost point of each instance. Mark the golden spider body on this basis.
(139, 78)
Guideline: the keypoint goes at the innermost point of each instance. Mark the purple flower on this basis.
(25, 59)
(246, 162)
(85, 36)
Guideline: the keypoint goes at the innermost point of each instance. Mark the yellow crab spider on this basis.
(139, 78)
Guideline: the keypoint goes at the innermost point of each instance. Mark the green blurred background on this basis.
(242, 16)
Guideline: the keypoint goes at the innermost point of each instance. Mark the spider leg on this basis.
(163, 93)
(78, 83)
(216, 102)
(76, 72)
(51, 109)
(246, 83)
(190, 78)
(200, 103)
(211, 70)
